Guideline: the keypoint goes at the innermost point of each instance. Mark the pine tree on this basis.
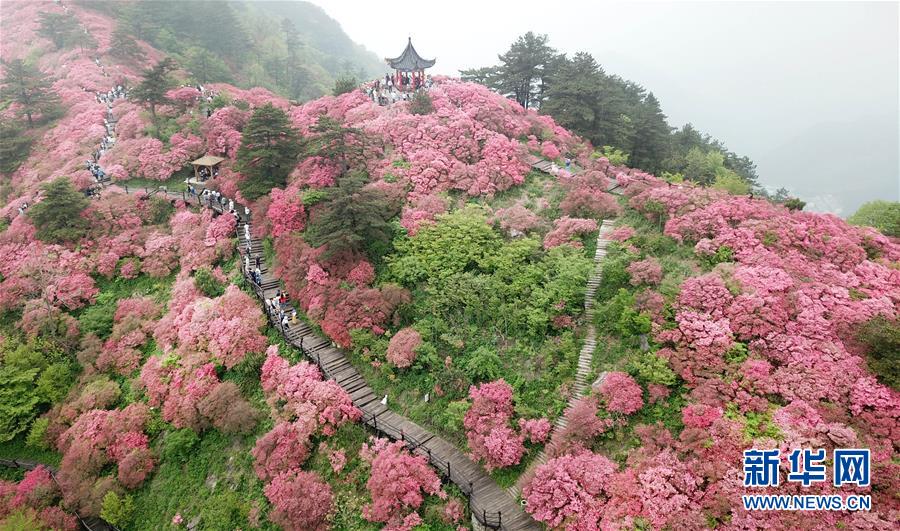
(268, 152)
(525, 68)
(61, 29)
(14, 146)
(346, 146)
(651, 135)
(57, 216)
(28, 87)
(575, 94)
(353, 218)
(152, 90)
(124, 47)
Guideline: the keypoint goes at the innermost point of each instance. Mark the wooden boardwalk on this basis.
(490, 505)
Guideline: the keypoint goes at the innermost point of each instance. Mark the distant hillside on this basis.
(324, 33)
(292, 48)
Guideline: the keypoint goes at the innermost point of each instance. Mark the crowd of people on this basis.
(387, 91)
(111, 95)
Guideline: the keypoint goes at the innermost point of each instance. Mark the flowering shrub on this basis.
(647, 271)
(402, 347)
(486, 423)
(622, 393)
(398, 483)
(565, 229)
(300, 501)
(566, 487)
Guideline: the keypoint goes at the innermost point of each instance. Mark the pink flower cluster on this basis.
(398, 483)
(487, 426)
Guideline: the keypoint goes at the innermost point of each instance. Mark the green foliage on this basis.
(756, 424)
(33, 374)
(614, 155)
(61, 29)
(483, 364)
(205, 65)
(179, 445)
(421, 103)
(523, 72)
(207, 283)
(313, 196)
(161, 210)
(614, 274)
(97, 319)
(722, 255)
(343, 85)
(22, 519)
(15, 146)
(882, 336)
(37, 435)
(24, 84)
(58, 216)
(220, 100)
(268, 152)
(651, 369)
(738, 353)
(353, 218)
(18, 400)
(795, 204)
(53, 383)
(458, 241)
(883, 215)
(452, 416)
(631, 323)
(125, 48)
(117, 510)
(151, 91)
(730, 182)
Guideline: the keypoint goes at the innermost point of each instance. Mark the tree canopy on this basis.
(57, 216)
(353, 217)
(27, 86)
(156, 82)
(268, 152)
(883, 215)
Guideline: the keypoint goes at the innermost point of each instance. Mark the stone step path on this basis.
(585, 356)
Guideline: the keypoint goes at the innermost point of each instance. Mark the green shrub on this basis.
(651, 369)
(882, 336)
(453, 414)
(421, 103)
(161, 209)
(482, 364)
(37, 436)
(311, 197)
(178, 445)
(632, 323)
(207, 283)
(116, 510)
(344, 85)
(723, 254)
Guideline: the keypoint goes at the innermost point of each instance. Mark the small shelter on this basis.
(409, 67)
(206, 167)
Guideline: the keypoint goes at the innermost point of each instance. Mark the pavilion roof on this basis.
(409, 60)
(207, 160)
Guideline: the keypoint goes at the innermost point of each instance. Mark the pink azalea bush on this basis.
(398, 483)
(486, 423)
(402, 347)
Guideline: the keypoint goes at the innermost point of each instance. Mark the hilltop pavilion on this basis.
(409, 67)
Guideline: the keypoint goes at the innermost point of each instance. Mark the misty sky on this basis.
(808, 90)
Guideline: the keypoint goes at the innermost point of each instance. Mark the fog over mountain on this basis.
(808, 90)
